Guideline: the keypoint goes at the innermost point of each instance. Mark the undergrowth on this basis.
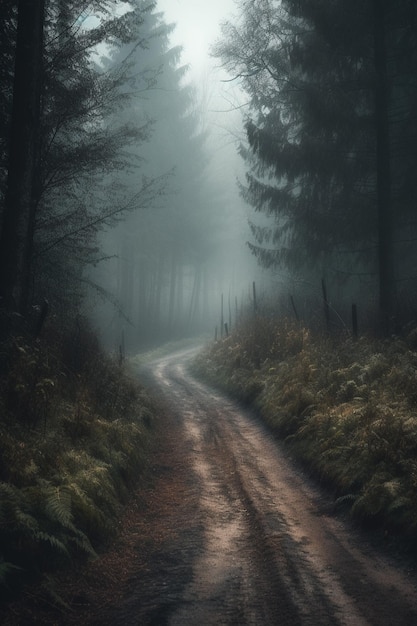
(346, 408)
(74, 431)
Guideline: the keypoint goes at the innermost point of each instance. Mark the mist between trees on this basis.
(330, 150)
(109, 199)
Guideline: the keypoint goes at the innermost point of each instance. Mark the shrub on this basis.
(74, 431)
(345, 407)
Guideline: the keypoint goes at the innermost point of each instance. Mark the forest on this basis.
(330, 147)
(118, 235)
(107, 231)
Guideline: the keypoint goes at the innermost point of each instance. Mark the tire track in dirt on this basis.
(271, 555)
(231, 578)
(227, 532)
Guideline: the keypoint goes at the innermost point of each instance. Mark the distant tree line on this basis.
(331, 141)
(104, 191)
(168, 264)
(159, 255)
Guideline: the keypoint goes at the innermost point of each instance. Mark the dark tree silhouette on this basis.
(61, 146)
(329, 136)
(18, 213)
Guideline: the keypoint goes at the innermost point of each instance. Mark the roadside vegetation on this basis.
(75, 430)
(346, 408)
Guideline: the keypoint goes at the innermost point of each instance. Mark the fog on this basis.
(144, 178)
(181, 247)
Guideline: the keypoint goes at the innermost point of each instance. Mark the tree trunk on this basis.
(172, 291)
(194, 310)
(385, 235)
(158, 294)
(18, 216)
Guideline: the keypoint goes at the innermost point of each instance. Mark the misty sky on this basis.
(197, 28)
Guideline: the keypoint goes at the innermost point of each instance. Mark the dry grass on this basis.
(347, 408)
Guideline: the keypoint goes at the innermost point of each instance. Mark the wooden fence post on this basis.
(294, 308)
(355, 321)
(255, 305)
(221, 317)
(230, 312)
(326, 304)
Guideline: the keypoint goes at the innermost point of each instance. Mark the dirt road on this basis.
(260, 545)
(229, 532)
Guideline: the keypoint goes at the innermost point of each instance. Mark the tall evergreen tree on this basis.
(160, 274)
(8, 10)
(23, 153)
(82, 153)
(324, 89)
(71, 148)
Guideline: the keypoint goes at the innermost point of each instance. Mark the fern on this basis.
(52, 540)
(399, 504)
(52, 596)
(63, 483)
(59, 530)
(82, 542)
(9, 504)
(90, 516)
(347, 412)
(58, 506)
(14, 515)
(6, 569)
(349, 498)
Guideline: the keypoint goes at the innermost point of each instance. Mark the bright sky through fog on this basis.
(197, 28)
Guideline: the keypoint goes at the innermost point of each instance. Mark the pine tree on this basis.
(67, 147)
(158, 276)
(83, 154)
(323, 83)
(23, 154)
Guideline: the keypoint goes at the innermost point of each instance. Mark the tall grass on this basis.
(347, 409)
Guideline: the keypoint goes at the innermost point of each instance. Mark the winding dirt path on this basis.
(231, 533)
(269, 551)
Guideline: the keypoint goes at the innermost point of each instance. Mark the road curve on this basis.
(262, 546)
